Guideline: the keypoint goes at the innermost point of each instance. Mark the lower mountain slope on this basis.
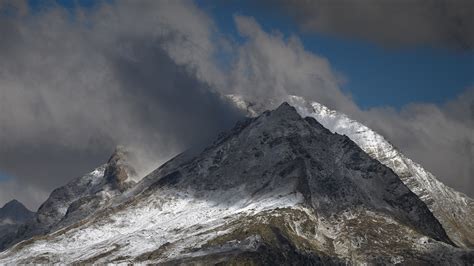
(276, 189)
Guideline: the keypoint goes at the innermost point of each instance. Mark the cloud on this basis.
(270, 64)
(147, 74)
(440, 23)
(72, 87)
(441, 138)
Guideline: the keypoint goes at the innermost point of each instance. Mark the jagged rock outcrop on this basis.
(277, 189)
(119, 172)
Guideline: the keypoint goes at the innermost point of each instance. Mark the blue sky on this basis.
(3, 176)
(376, 76)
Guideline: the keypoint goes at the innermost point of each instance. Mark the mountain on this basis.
(12, 216)
(454, 210)
(276, 189)
(80, 197)
(14, 212)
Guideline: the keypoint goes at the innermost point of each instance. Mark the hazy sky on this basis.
(79, 77)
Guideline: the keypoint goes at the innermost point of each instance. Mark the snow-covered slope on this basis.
(277, 189)
(454, 210)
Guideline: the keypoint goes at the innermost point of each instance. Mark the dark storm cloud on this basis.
(71, 88)
(442, 23)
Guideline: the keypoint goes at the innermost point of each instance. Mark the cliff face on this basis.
(277, 189)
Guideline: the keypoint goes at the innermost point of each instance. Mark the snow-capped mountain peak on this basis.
(276, 189)
(453, 209)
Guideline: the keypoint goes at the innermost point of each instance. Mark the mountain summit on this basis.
(276, 189)
(454, 210)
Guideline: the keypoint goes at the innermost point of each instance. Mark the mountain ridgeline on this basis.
(78, 199)
(276, 189)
